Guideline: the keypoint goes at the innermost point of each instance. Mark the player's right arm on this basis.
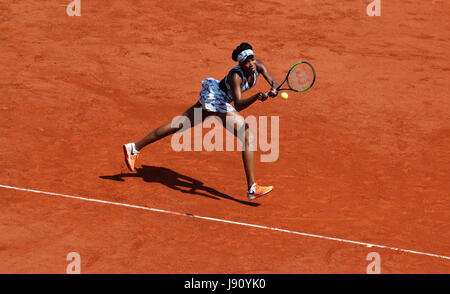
(236, 93)
(269, 78)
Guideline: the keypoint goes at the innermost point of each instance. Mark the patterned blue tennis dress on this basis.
(215, 96)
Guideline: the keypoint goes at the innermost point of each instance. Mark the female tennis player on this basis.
(215, 99)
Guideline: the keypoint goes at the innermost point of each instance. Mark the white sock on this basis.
(133, 149)
(252, 188)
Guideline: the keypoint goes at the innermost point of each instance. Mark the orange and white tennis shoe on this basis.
(257, 190)
(131, 155)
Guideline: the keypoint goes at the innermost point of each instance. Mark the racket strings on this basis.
(301, 77)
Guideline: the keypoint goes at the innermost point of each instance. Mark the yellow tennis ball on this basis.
(284, 95)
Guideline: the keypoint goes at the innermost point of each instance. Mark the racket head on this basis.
(301, 77)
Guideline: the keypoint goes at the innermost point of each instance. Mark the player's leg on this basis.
(131, 150)
(172, 127)
(236, 124)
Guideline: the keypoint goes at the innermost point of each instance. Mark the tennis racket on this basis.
(299, 78)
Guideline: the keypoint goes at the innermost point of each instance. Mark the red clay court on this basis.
(364, 155)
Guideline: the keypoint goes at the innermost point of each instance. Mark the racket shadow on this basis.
(175, 181)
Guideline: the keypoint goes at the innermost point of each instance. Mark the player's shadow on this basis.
(175, 181)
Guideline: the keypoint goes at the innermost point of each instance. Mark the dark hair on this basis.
(239, 49)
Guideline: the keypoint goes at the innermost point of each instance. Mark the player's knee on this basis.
(245, 135)
(180, 123)
(250, 140)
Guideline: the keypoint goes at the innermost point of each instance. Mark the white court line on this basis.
(228, 222)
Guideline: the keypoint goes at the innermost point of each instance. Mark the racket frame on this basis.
(287, 79)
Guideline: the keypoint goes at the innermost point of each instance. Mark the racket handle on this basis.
(278, 88)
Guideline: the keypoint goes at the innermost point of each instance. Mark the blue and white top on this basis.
(216, 96)
(244, 85)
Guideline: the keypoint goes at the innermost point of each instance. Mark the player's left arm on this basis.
(262, 69)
